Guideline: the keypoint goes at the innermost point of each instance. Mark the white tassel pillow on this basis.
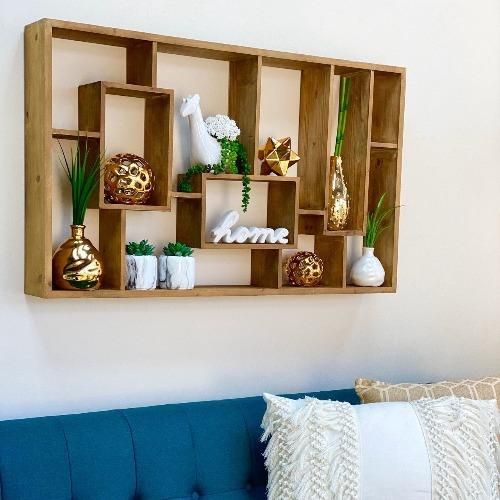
(430, 449)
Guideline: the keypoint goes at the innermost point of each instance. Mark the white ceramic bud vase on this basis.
(142, 272)
(176, 273)
(367, 270)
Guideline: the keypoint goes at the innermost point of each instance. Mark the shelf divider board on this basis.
(266, 268)
(74, 135)
(333, 251)
(38, 159)
(158, 133)
(356, 148)
(142, 63)
(283, 207)
(384, 145)
(217, 291)
(316, 101)
(112, 235)
(189, 226)
(244, 103)
(91, 116)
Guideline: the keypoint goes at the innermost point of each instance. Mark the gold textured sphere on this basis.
(128, 179)
(304, 269)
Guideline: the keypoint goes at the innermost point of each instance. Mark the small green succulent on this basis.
(178, 249)
(139, 249)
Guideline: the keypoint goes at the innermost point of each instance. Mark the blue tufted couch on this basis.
(206, 450)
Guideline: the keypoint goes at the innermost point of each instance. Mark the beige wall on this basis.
(68, 356)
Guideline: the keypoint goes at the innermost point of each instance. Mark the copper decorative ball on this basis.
(304, 269)
(128, 179)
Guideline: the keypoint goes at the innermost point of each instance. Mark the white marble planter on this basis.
(176, 273)
(367, 270)
(142, 272)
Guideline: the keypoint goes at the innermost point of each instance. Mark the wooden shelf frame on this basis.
(372, 157)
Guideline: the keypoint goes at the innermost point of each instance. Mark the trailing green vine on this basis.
(244, 168)
(185, 183)
(234, 160)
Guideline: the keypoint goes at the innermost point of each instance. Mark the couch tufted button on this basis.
(249, 486)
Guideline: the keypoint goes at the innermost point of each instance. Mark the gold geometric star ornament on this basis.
(277, 156)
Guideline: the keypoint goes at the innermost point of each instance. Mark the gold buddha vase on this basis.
(77, 264)
(338, 197)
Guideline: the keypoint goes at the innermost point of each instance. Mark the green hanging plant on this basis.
(83, 174)
(140, 248)
(377, 223)
(234, 158)
(345, 88)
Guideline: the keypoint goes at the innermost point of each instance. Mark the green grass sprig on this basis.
(83, 174)
(345, 88)
(377, 223)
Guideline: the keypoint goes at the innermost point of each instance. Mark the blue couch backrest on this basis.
(207, 449)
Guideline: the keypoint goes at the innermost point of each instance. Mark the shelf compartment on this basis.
(333, 251)
(356, 149)
(244, 103)
(311, 221)
(112, 247)
(282, 211)
(158, 120)
(316, 86)
(266, 268)
(142, 63)
(387, 105)
(385, 178)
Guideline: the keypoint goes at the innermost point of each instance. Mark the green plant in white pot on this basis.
(142, 267)
(176, 268)
(368, 270)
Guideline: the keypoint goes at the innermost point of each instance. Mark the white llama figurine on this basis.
(205, 149)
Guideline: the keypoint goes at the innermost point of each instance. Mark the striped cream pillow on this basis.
(373, 391)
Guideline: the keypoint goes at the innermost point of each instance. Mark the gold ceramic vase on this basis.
(77, 265)
(338, 197)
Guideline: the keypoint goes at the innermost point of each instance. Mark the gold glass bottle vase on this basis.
(338, 197)
(77, 265)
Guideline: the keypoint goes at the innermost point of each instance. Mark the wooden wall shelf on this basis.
(372, 158)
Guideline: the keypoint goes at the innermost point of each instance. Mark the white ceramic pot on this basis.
(367, 270)
(176, 273)
(142, 272)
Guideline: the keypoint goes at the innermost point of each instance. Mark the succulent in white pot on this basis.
(142, 266)
(368, 270)
(176, 267)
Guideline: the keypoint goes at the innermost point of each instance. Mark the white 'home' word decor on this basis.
(242, 234)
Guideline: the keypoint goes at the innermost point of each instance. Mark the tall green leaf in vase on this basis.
(368, 270)
(338, 198)
(77, 265)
